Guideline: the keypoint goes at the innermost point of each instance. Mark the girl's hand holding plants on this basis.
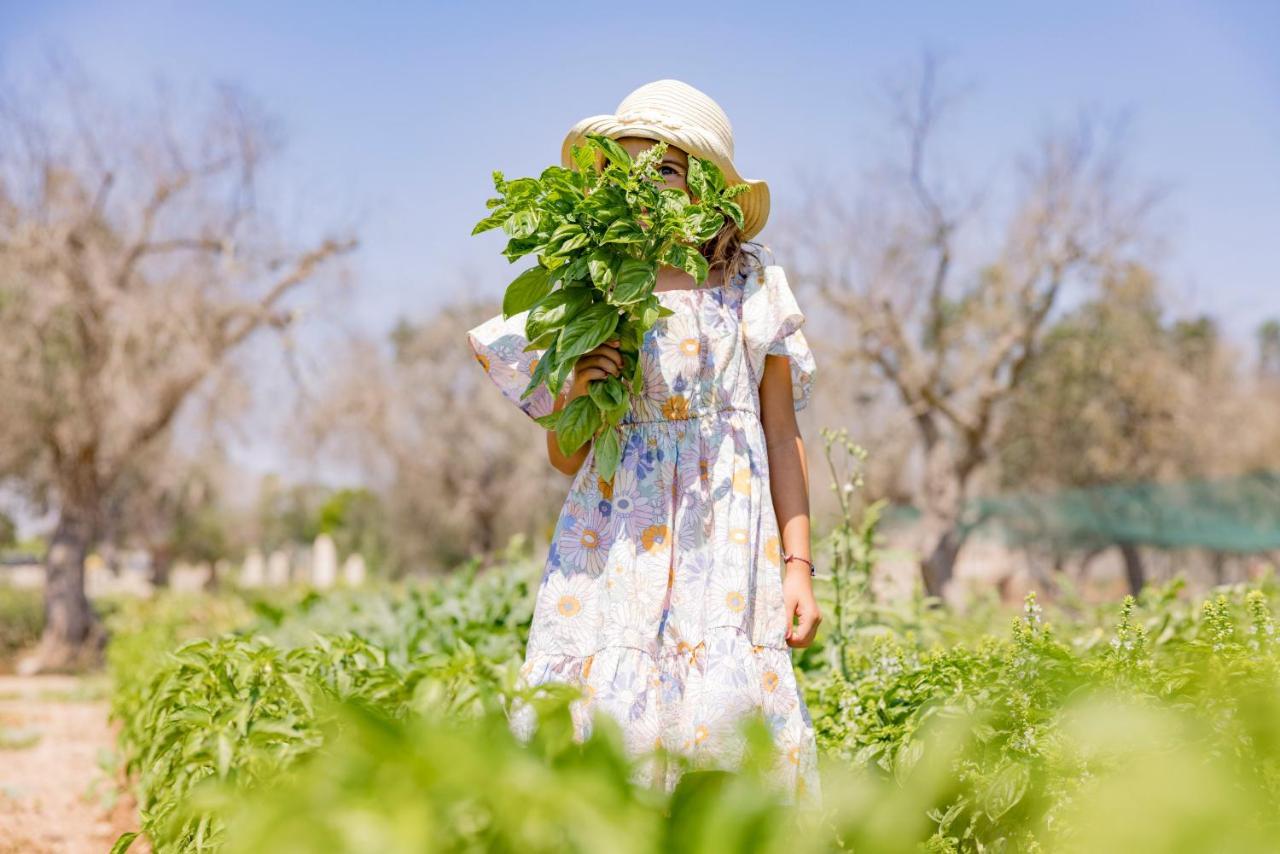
(601, 363)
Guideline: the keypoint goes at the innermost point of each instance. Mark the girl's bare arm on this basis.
(604, 361)
(789, 485)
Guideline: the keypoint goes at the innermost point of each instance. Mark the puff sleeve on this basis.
(499, 344)
(771, 326)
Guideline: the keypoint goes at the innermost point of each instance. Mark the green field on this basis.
(373, 721)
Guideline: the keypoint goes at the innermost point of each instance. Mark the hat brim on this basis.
(754, 202)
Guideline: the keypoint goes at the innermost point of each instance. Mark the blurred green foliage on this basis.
(375, 721)
(355, 518)
(8, 532)
(21, 619)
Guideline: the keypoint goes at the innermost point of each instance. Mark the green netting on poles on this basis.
(1240, 514)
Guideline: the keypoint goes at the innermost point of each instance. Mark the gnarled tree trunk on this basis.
(1134, 572)
(945, 488)
(72, 636)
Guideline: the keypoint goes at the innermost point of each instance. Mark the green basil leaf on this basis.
(715, 178)
(674, 254)
(576, 270)
(696, 180)
(588, 330)
(649, 315)
(688, 259)
(635, 279)
(557, 176)
(521, 190)
(1004, 791)
(518, 247)
(554, 311)
(580, 419)
(526, 290)
(601, 266)
(705, 225)
(585, 157)
(623, 231)
(489, 222)
(542, 342)
(673, 201)
(607, 450)
(569, 244)
(614, 416)
(576, 242)
(551, 420)
(734, 210)
(608, 393)
(563, 231)
(630, 337)
(123, 841)
(521, 223)
(559, 372)
(606, 204)
(557, 238)
(699, 268)
(611, 149)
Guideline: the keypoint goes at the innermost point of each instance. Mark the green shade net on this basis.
(1240, 514)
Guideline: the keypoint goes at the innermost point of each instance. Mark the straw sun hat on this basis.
(680, 115)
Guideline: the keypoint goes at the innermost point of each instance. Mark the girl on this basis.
(671, 596)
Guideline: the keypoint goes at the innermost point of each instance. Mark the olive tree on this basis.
(947, 306)
(137, 255)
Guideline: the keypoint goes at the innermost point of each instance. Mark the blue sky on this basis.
(396, 113)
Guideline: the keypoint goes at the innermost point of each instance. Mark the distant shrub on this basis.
(21, 620)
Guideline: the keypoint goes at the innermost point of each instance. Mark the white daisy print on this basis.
(630, 624)
(727, 600)
(584, 542)
(567, 615)
(680, 347)
(632, 509)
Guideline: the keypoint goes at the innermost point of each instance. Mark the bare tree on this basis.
(953, 339)
(135, 258)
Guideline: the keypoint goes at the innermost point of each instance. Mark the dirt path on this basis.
(56, 792)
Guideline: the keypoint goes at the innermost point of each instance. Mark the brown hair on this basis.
(730, 252)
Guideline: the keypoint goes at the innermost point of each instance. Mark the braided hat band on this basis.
(680, 115)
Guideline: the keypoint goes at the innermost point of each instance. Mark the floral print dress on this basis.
(662, 596)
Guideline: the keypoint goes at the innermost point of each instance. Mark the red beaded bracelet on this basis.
(812, 569)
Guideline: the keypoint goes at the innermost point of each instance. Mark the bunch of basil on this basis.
(599, 234)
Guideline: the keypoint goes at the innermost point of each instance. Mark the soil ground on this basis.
(59, 784)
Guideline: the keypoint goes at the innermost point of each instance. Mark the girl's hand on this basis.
(598, 364)
(797, 594)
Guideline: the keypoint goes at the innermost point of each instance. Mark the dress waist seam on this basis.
(690, 417)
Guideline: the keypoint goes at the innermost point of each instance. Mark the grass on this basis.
(18, 739)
